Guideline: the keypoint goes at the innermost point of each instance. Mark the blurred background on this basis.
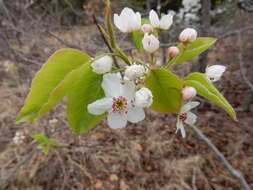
(144, 156)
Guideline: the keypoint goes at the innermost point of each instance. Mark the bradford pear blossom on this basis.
(150, 43)
(185, 116)
(134, 71)
(143, 97)
(118, 102)
(128, 21)
(146, 28)
(173, 51)
(165, 22)
(102, 65)
(188, 35)
(189, 93)
(214, 72)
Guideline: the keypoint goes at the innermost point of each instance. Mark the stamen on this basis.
(119, 104)
(183, 116)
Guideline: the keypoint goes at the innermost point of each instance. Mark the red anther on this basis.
(183, 116)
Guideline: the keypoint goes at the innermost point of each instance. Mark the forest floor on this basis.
(147, 156)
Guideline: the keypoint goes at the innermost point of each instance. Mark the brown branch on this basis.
(105, 41)
(223, 160)
(63, 42)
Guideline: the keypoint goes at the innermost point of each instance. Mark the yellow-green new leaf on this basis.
(87, 90)
(206, 89)
(48, 77)
(166, 88)
(192, 50)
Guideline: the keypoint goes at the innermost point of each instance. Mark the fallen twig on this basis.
(224, 161)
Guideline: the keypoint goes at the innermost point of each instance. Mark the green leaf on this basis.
(137, 37)
(45, 143)
(192, 50)
(87, 90)
(166, 88)
(65, 86)
(48, 77)
(206, 89)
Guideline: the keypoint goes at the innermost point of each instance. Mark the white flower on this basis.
(128, 21)
(118, 102)
(173, 51)
(214, 72)
(19, 138)
(185, 116)
(146, 28)
(143, 98)
(188, 35)
(134, 71)
(150, 43)
(165, 22)
(102, 65)
(189, 93)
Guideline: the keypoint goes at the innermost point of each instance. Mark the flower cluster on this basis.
(122, 102)
(125, 94)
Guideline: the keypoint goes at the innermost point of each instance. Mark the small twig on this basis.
(62, 41)
(224, 161)
(242, 70)
(105, 41)
(5, 181)
(194, 179)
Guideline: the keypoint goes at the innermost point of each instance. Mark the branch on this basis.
(62, 41)
(105, 41)
(224, 161)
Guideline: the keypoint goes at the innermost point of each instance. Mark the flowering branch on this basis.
(224, 161)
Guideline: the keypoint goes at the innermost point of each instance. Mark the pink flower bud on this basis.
(189, 92)
(173, 51)
(188, 35)
(146, 28)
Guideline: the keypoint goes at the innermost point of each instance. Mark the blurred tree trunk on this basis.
(205, 31)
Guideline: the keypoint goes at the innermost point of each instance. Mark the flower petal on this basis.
(154, 19)
(135, 114)
(180, 126)
(190, 105)
(191, 118)
(116, 120)
(100, 106)
(118, 22)
(128, 90)
(215, 72)
(111, 85)
(138, 21)
(166, 21)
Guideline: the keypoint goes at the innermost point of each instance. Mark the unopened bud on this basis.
(189, 92)
(188, 35)
(134, 71)
(143, 98)
(173, 51)
(146, 28)
(102, 65)
(150, 43)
